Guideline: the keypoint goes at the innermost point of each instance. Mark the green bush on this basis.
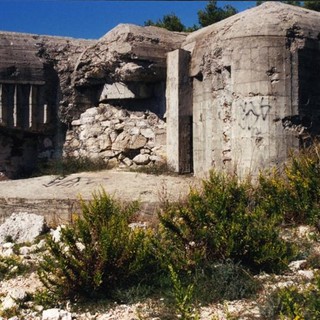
(293, 195)
(313, 260)
(222, 222)
(99, 252)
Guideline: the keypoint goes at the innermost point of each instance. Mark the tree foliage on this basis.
(212, 13)
(312, 5)
(169, 21)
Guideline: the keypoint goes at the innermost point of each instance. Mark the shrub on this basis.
(294, 195)
(224, 281)
(99, 252)
(221, 222)
(313, 260)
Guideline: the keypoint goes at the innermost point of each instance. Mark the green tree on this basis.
(212, 13)
(169, 21)
(312, 5)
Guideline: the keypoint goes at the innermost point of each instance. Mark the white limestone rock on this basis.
(56, 233)
(14, 295)
(24, 251)
(141, 159)
(296, 265)
(8, 245)
(105, 142)
(76, 122)
(137, 142)
(148, 133)
(7, 252)
(308, 274)
(22, 227)
(8, 303)
(56, 314)
(157, 159)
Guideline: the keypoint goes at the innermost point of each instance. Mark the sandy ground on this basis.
(121, 184)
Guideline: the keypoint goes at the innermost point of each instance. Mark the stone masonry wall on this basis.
(118, 136)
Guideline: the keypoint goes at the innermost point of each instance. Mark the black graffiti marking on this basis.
(63, 182)
(260, 110)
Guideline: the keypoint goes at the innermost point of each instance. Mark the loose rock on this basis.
(22, 227)
(56, 314)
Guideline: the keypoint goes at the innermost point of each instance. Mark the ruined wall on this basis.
(47, 84)
(126, 67)
(31, 87)
(118, 104)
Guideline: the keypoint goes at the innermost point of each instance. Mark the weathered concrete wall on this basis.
(249, 83)
(179, 112)
(239, 106)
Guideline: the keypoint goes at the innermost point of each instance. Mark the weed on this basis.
(313, 260)
(8, 238)
(45, 298)
(183, 297)
(156, 169)
(69, 165)
(10, 313)
(224, 281)
(293, 195)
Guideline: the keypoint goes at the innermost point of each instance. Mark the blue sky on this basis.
(92, 19)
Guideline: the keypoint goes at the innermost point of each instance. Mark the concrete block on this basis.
(120, 90)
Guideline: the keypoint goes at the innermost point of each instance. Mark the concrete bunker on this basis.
(254, 90)
(237, 96)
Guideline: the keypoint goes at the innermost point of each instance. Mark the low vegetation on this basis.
(294, 302)
(69, 165)
(206, 248)
(11, 267)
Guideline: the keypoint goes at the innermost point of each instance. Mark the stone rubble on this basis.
(118, 136)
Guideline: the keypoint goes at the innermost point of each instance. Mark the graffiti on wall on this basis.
(253, 112)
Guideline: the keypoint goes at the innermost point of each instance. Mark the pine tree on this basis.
(212, 13)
